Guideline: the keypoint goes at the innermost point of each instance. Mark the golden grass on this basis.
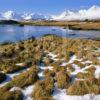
(49, 73)
(82, 88)
(32, 52)
(76, 25)
(63, 79)
(27, 78)
(43, 89)
(12, 95)
(85, 75)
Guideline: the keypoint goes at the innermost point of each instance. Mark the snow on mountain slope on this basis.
(27, 16)
(10, 15)
(91, 13)
(34, 16)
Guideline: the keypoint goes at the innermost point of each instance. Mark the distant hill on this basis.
(8, 22)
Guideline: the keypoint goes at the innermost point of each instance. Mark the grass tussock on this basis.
(82, 88)
(79, 64)
(63, 79)
(5, 88)
(70, 68)
(47, 61)
(85, 75)
(49, 73)
(45, 98)
(95, 81)
(27, 78)
(56, 66)
(12, 95)
(43, 89)
(91, 69)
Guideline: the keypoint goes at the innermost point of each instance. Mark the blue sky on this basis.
(45, 6)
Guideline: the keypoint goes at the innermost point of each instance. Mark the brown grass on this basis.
(27, 78)
(85, 75)
(43, 89)
(79, 64)
(62, 79)
(13, 95)
(76, 25)
(82, 88)
(49, 73)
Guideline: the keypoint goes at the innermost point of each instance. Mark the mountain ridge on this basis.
(92, 13)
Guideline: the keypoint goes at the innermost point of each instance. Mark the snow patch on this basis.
(62, 95)
(97, 72)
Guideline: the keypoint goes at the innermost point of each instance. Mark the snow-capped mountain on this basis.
(92, 13)
(26, 16)
(34, 16)
(83, 14)
(10, 15)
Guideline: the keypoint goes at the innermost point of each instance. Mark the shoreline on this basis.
(73, 25)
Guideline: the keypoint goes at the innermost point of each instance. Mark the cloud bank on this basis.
(93, 13)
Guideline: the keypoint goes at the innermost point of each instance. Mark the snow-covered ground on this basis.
(97, 72)
(59, 94)
(26, 91)
(62, 95)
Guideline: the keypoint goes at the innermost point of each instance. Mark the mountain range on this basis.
(93, 13)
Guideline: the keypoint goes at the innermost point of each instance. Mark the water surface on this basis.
(17, 33)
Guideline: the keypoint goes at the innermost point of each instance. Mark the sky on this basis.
(45, 6)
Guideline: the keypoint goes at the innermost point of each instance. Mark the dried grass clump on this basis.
(91, 69)
(81, 53)
(47, 61)
(27, 78)
(96, 62)
(70, 67)
(7, 51)
(43, 89)
(11, 67)
(5, 88)
(82, 88)
(91, 56)
(56, 66)
(85, 75)
(45, 98)
(79, 64)
(63, 79)
(95, 81)
(12, 95)
(49, 73)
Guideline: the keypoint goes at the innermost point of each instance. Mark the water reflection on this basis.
(16, 33)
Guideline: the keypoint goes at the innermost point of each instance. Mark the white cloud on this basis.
(82, 14)
(91, 13)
